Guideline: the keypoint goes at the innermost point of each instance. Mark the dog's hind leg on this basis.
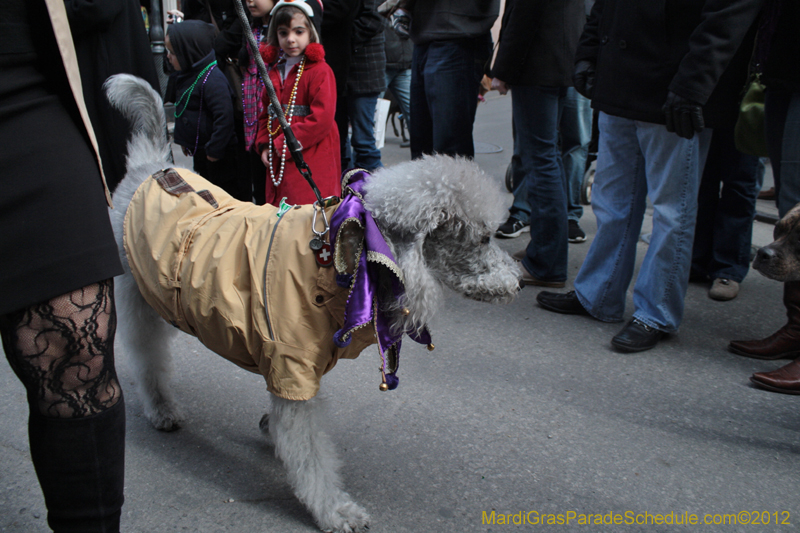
(312, 465)
(145, 337)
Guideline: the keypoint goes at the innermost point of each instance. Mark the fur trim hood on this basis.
(314, 53)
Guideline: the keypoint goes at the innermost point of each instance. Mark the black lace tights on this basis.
(63, 352)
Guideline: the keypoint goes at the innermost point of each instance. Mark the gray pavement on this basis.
(516, 410)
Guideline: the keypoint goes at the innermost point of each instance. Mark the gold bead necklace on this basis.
(289, 115)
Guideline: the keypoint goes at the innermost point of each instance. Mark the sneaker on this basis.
(576, 234)
(723, 290)
(512, 228)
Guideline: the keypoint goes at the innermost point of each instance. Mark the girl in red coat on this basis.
(306, 89)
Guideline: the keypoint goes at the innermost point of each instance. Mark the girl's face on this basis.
(173, 59)
(294, 40)
(260, 8)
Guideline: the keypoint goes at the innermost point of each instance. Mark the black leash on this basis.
(295, 148)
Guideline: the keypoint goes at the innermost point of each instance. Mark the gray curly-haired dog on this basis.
(436, 216)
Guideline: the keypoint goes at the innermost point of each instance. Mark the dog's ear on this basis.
(789, 221)
(423, 294)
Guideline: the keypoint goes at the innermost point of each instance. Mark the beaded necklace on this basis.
(188, 92)
(199, 114)
(289, 115)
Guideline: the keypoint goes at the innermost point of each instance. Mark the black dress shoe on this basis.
(636, 337)
(567, 303)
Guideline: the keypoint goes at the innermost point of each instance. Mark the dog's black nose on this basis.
(765, 253)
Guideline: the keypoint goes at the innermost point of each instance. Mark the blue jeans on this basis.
(576, 132)
(399, 82)
(361, 111)
(725, 219)
(445, 76)
(783, 143)
(575, 128)
(536, 112)
(636, 160)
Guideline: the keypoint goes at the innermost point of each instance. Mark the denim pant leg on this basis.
(520, 209)
(673, 166)
(576, 132)
(444, 95)
(536, 112)
(619, 198)
(783, 142)
(420, 125)
(399, 82)
(724, 227)
(361, 110)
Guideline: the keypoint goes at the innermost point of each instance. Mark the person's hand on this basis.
(173, 15)
(499, 86)
(186, 151)
(212, 159)
(400, 21)
(265, 158)
(583, 78)
(684, 117)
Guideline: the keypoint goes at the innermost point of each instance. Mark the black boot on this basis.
(80, 463)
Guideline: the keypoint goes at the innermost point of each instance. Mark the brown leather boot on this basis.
(784, 343)
(785, 380)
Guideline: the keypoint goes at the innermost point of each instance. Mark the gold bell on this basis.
(431, 347)
(406, 311)
(384, 387)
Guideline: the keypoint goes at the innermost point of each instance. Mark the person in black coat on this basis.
(366, 80)
(110, 39)
(777, 49)
(534, 58)
(650, 69)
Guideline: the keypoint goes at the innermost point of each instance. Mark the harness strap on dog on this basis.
(172, 182)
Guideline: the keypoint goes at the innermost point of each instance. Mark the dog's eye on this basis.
(486, 240)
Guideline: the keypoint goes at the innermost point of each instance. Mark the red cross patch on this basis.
(324, 256)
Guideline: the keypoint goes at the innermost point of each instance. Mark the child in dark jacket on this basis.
(306, 88)
(204, 125)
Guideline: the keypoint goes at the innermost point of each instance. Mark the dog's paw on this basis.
(166, 418)
(347, 518)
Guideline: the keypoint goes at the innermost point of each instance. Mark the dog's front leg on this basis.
(312, 465)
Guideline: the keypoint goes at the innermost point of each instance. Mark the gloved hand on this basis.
(683, 116)
(400, 21)
(583, 78)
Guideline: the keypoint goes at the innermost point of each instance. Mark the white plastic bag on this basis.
(381, 117)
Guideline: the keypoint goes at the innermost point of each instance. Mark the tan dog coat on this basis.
(241, 280)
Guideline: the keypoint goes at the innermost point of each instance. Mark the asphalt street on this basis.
(517, 412)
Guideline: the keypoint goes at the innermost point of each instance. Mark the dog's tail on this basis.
(140, 104)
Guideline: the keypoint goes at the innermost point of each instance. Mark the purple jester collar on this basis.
(376, 278)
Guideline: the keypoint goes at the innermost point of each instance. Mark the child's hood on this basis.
(191, 40)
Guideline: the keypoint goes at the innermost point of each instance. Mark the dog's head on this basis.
(439, 215)
(780, 260)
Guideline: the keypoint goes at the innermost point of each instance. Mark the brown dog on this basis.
(780, 260)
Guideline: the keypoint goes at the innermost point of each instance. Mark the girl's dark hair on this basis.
(284, 17)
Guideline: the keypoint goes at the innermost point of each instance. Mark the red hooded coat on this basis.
(313, 124)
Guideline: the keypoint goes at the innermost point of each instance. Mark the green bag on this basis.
(750, 133)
